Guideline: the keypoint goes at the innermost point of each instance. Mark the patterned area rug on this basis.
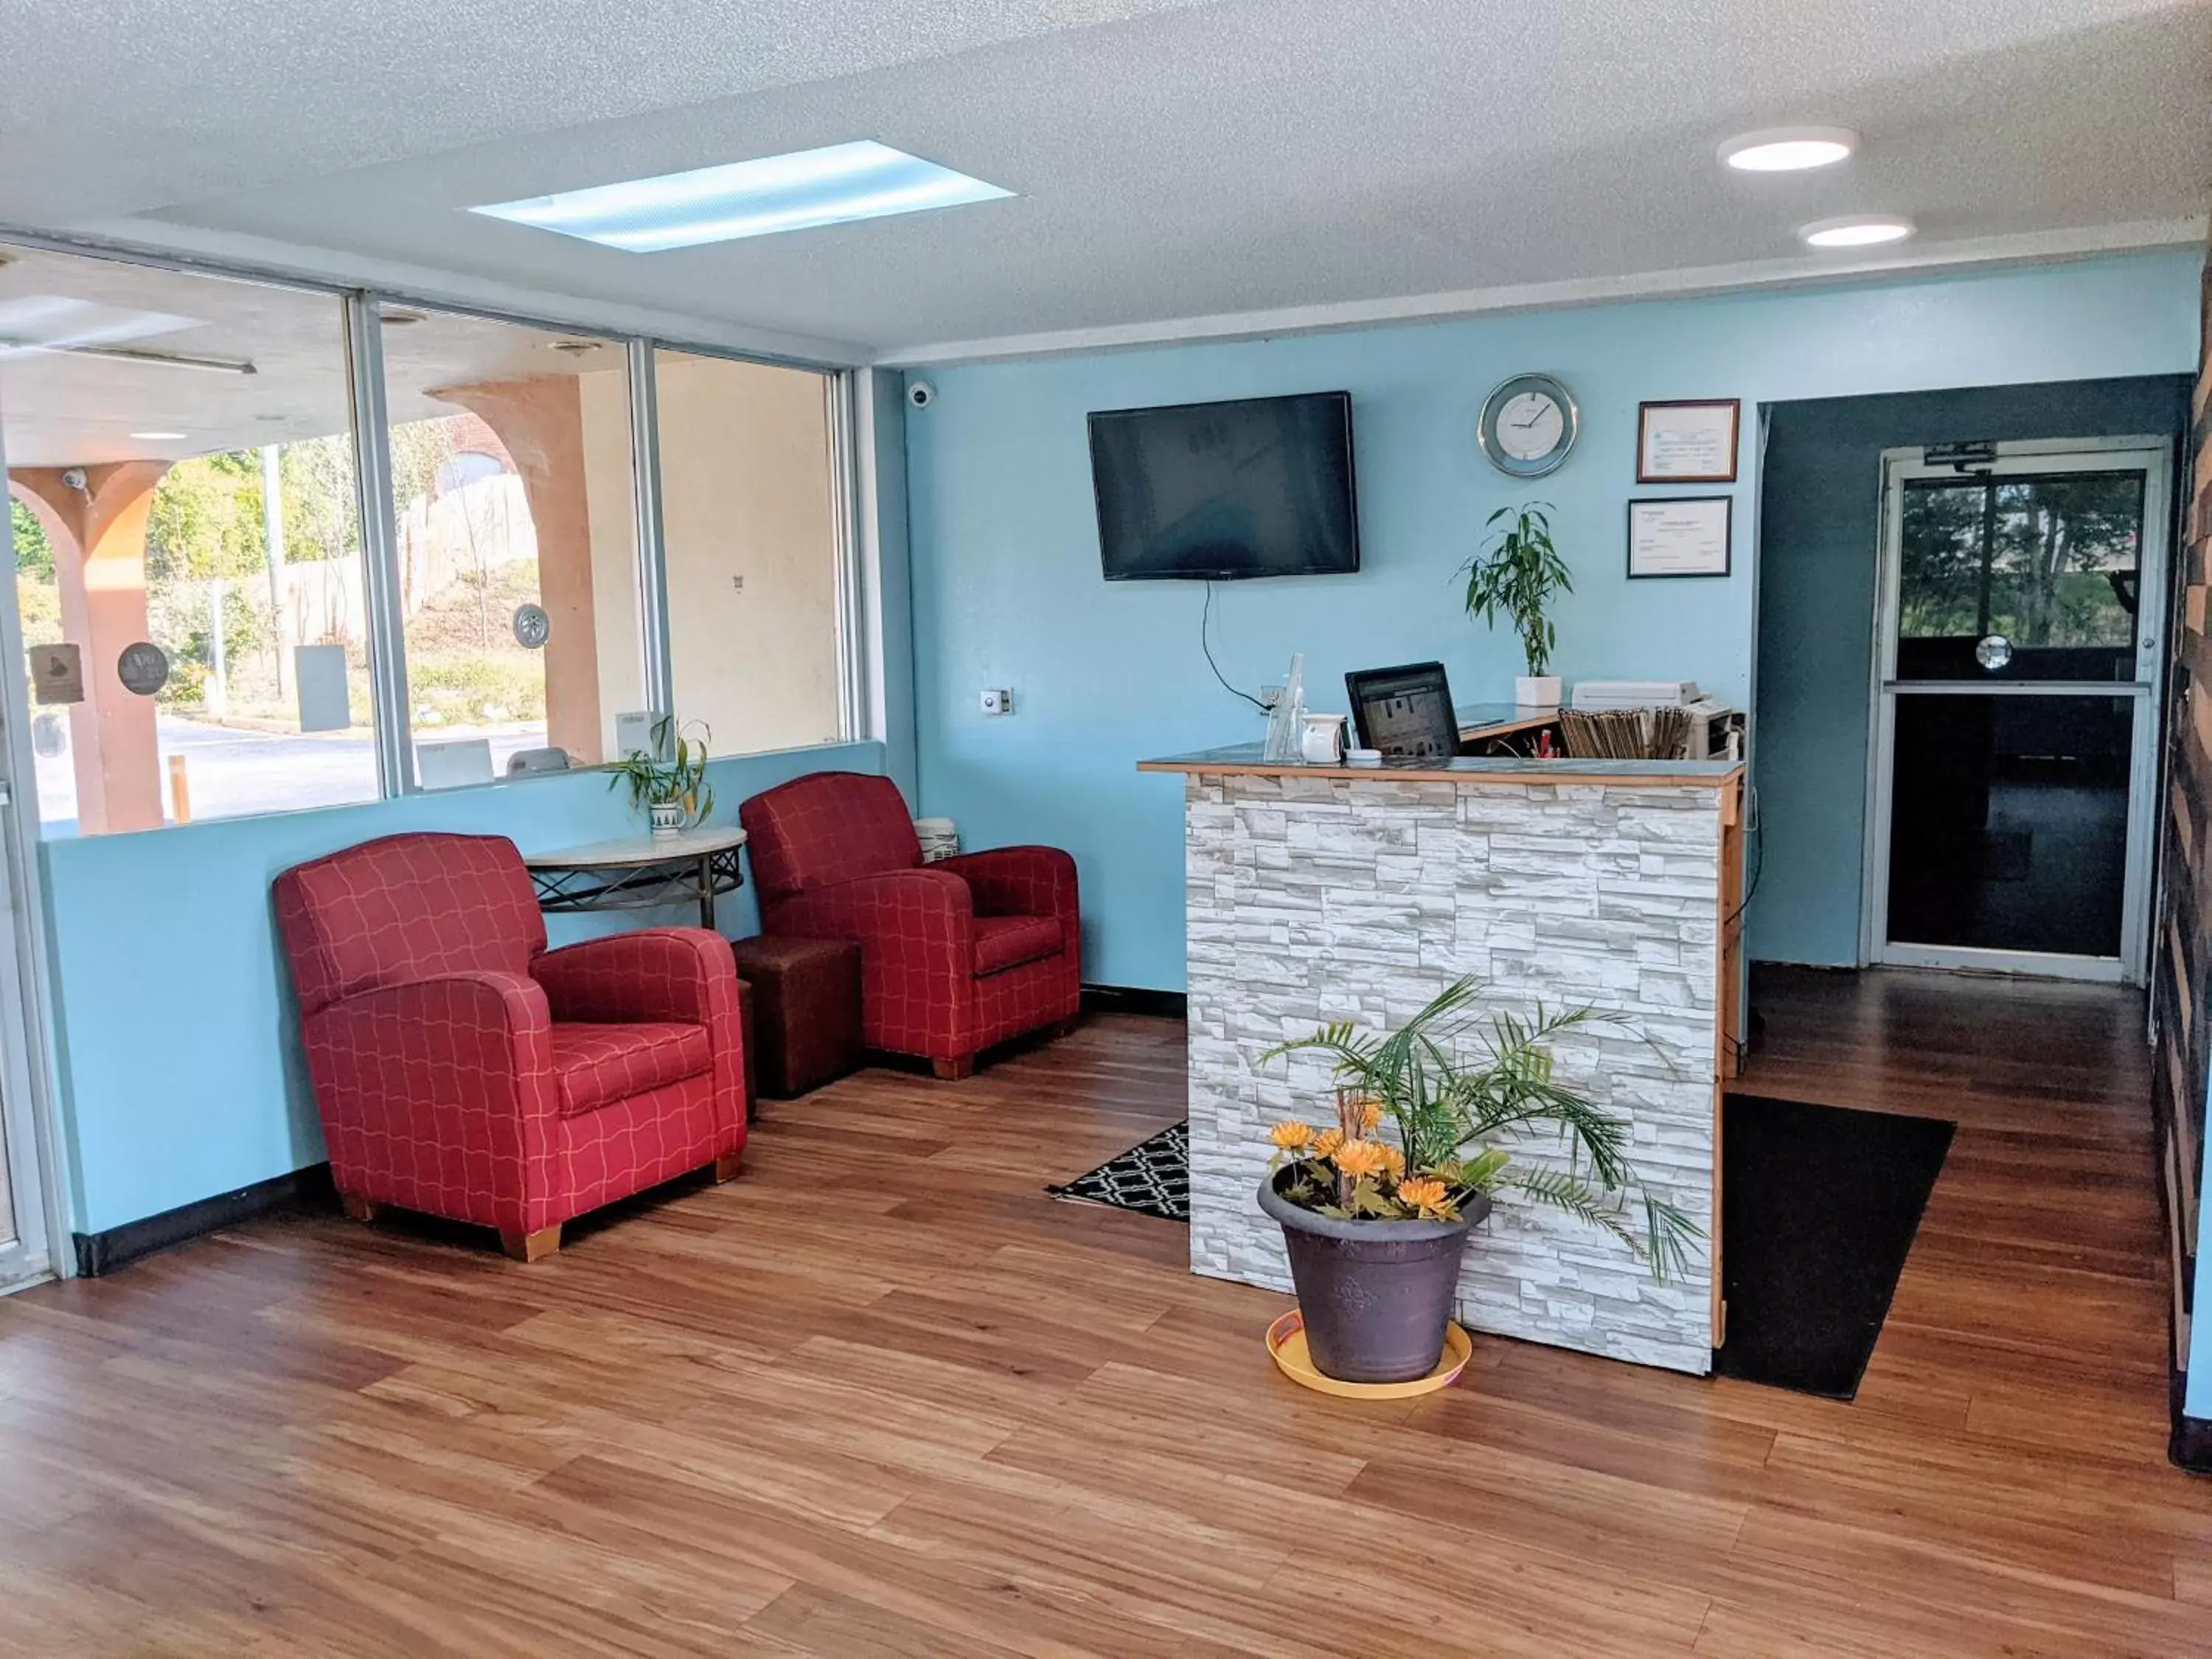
(1153, 1177)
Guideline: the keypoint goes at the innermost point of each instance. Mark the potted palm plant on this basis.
(668, 782)
(1516, 574)
(1376, 1209)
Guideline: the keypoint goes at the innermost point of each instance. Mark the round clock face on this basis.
(1528, 425)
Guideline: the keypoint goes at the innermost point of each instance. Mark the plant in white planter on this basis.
(1375, 1223)
(668, 782)
(1516, 574)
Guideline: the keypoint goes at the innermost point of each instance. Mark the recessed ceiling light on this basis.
(1789, 149)
(832, 186)
(392, 317)
(1856, 230)
(573, 348)
(158, 437)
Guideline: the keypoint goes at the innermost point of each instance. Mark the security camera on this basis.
(921, 394)
(74, 479)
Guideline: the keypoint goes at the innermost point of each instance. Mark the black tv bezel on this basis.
(1343, 398)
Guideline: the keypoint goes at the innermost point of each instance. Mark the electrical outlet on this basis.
(997, 701)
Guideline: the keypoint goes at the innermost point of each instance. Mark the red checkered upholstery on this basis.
(819, 831)
(462, 1069)
(595, 1065)
(955, 955)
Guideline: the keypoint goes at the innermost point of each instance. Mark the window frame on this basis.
(393, 736)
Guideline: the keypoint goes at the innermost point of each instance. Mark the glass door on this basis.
(2015, 714)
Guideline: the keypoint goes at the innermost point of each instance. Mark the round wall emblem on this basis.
(532, 625)
(143, 668)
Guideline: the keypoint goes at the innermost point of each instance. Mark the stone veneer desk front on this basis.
(1318, 893)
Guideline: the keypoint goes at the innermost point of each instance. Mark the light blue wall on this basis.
(180, 1067)
(1007, 590)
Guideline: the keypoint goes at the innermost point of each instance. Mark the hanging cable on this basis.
(1205, 644)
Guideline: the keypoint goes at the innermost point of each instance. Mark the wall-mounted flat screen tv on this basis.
(1256, 487)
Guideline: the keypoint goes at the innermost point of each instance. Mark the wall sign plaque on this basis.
(57, 672)
(144, 668)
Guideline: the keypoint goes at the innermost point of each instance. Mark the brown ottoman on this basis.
(807, 1010)
(750, 1044)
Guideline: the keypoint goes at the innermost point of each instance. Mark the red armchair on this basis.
(954, 956)
(462, 1069)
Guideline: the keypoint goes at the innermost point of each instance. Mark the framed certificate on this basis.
(1679, 536)
(1686, 442)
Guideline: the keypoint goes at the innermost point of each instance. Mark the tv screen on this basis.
(1257, 487)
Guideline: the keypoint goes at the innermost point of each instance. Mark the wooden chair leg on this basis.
(358, 1208)
(951, 1071)
(531, 1247)
(729, 1166)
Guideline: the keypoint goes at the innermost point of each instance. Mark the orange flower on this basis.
(1425, 1194)
(1394, 1161)
(1370, 1115)
(1359, 1157)
(1326, 1143)
(1291, 1135)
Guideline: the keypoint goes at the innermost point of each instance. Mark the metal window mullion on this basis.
(380, 546)
(2018, 688)
(838, 394)
(652, 552)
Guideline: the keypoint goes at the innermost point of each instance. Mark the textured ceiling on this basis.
(1171, 161)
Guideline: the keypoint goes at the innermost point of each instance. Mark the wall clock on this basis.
(1528, 425)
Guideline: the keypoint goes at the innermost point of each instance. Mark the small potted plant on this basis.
(1515, 574)
(668, 782)
(1376, 1209)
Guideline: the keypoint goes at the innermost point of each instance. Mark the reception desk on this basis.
(1318, 893)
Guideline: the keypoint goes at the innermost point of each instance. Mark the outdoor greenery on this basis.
(37, 601)
(1516, 574)
(2047, 561)
(205, 526)
(1442, 1110)
(463, 664)
(33, 553)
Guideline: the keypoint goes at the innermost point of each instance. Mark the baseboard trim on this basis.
(118, 1247)
(1134, 1000)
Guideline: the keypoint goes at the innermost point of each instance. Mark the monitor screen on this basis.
(1259, 487)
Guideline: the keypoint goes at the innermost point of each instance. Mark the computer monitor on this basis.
(1404, 711)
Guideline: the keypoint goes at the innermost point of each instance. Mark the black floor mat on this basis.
(1818, 1208)
(1153, 1177)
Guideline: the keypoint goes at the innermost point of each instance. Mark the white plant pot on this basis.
(1537, 691)
(667, 817)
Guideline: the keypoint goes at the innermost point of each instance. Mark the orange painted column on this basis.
(540, 419)
(100, 567)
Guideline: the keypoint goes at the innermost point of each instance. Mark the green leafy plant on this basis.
(1440, 1108)
(1516, 574)
(673, 771)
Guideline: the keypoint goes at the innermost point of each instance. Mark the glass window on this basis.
(516, 538)
(2046, 564)
(749, 527)
(180, 475)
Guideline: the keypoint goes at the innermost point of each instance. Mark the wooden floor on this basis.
(883, 1397)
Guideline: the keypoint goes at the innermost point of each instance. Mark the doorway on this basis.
(2013, 762)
